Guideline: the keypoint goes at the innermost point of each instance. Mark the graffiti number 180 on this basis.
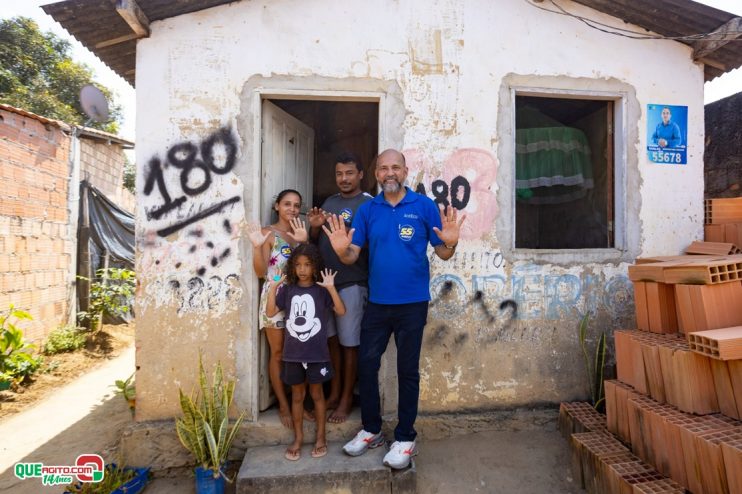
(459, 192)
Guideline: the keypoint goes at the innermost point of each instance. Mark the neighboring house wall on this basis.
(723, 156)
(446, 71)
(35, 242)
(102, 164)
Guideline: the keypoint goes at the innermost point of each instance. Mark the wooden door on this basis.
(287, 162)
(287, 158)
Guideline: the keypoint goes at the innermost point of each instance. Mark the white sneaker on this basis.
(363, 441)
(399, 454)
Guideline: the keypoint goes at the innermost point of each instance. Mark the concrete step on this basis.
(265, 470)
(155, 443)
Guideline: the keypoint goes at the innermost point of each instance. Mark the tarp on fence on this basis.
(104, 230)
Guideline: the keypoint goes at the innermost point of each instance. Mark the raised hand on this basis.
(299, 231)
(256, 235)
(340, 239)
(451, 226)
(328, 278)
(275, 283)
(316, 217)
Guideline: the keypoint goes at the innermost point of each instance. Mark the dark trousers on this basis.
(406, 322)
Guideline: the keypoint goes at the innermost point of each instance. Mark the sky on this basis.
(720, 87)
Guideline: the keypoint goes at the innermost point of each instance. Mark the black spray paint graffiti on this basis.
(215, 294)
(459, 192)
(447, 302)
(196, 164)
(185, 157)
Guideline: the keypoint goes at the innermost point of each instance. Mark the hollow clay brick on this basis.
(624, 357)
(724, 389)
(640, 305)
(711, 462)
(732, 453)
(663, 486)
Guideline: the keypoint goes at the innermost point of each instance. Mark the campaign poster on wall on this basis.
(667, 134)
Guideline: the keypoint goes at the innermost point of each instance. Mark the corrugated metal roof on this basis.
(94, 22)
(677, 18)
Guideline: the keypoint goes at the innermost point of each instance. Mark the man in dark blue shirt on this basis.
(397, 225)
(351, 282)
(667, 133)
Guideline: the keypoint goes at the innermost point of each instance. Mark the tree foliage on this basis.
(38, 74)
(130, 172)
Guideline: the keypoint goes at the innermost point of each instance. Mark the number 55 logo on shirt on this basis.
(406, 232)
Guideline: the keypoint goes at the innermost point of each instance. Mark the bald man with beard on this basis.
(396, 226)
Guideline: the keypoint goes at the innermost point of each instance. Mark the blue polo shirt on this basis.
(397, 239)
(670, 133)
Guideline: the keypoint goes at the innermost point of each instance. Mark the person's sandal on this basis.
(293, 455)
(319, 451)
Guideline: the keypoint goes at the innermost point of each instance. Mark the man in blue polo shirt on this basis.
(397, 226)
(667, 133)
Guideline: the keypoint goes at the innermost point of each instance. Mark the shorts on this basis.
(293, 373)
(355, 298)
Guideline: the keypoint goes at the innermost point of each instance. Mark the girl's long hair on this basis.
(312, 253)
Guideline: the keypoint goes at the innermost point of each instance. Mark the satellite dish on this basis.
(94, 103)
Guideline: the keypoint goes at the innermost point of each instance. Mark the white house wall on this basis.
(448, 67)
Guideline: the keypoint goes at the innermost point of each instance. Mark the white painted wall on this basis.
(449, 58)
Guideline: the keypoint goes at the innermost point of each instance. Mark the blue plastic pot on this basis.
(206, 483)
(135, 485)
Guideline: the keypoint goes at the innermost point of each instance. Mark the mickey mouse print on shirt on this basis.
(302, 323)
(307, 310)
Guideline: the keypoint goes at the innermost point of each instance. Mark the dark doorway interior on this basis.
(564, 173)
(339, 126)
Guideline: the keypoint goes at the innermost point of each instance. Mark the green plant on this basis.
(595, 370)
(203, 429)
(127, 390)
(110, 293)
(113, 478)
(64, 339)
(16, 358)
(51, 366)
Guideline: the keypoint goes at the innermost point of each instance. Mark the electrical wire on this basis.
(627, 33)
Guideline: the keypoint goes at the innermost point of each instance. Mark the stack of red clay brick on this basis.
(673, 415)
(723, 218)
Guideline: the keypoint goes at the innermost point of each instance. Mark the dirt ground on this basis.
(61, 368)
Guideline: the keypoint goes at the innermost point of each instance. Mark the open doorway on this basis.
(338, 126)
(300, 140)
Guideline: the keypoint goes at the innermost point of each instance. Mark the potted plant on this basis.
(204, 428)
(116, 480)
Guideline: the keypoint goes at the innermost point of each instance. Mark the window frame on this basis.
(620, 160)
